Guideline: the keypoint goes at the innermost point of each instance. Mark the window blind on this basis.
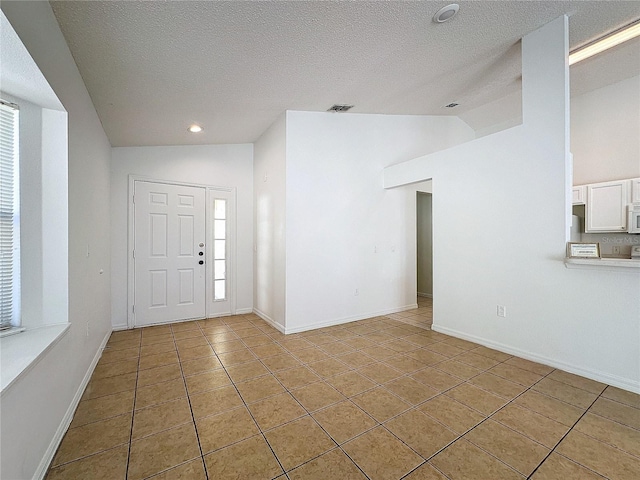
(9, 217)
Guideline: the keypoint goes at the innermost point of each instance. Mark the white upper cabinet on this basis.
(606, 206)
(635, 190)
(579, 195)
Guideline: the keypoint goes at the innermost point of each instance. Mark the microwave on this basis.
(633, 220)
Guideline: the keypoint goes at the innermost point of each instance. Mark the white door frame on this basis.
(209, 189)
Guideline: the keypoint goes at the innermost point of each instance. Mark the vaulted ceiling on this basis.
(154, 67)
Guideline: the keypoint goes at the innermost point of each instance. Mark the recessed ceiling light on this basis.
(608, 41)
(195, 128)
(446, 13)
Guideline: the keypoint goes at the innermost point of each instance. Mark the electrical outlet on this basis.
(502, 311)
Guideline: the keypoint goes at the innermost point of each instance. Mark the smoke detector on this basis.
(452, 105)
(446, 13)
(340, 108)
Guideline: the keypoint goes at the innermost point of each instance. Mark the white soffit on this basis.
(153, 68)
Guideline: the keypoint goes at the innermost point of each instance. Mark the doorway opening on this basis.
(424, 258)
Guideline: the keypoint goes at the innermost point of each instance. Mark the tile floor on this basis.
(420, 317)
(232, 398)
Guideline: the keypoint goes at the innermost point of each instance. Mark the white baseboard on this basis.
(244, 311)
(269, 320)
(354, 318)
(616, 381)
(116, 328)
(41, 471)
(428, 295)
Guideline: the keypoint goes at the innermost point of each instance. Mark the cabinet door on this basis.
(606, 207)
(578, 194)
(635, 190)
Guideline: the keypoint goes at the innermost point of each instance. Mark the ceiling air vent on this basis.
(451, 105)
(340, 108)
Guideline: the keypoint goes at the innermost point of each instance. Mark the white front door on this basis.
(169, 253)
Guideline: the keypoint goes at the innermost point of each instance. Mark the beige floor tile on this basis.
(153, 339)
(491, 353)
(549, 407)
(458, 369)
(567, 393)
(246, 371)
(465, 461)
(515, 374)
(297, 442)
(350, 383)
(268, 350)
(276, 410)
(160, 417)
(456, 342)
(187, 334)
(202, 382)
(436, 379)
(498, 385)
(192, 470)
(379, 372)
(156, 330)
(359, 342)
(343, 421)
(622, 396)
(281, 362)
(190, 342)
(256, 340)
(224, 345)
(380, 404)
(379, 352)
(612, 433)
(421, 340)
(109, 386)
(236, 357)
(425, 471)
(444, 349)
(577, 381)
(531, 424)
(184, 326)
(295, 344)
(214, 401)
(251, 459)
(336, 348)
(405, 364)
(195, 352)
(259, 388)
(329, 367)
(123, 343)
(454, 415)
(476, 398)
(320, 339)
(109, 356)
(421, 432)
(296, 377)
(101, 408)
(478, 361)
(397, 461)
(159, 375)
(356, 359)
(534, 367)
(156, 453)
(401, 346)
(231, 426)
(200, 365)
(156, 348)
(380, 337)
(426, 356)
(557, 467)
(158, 360)
(310, 355)
(107, 465)
(599, 457)
(410, 390)
(160, 393)
(104, 370)
(617, 412)
(93, 438)
(317, 395)
(512, 448)
(248, 332)
(332, 465)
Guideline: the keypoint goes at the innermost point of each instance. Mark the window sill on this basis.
(19, 353)
(617, 264)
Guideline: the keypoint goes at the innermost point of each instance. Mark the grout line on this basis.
(133, 410)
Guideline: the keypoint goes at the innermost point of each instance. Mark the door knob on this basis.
(201, 262)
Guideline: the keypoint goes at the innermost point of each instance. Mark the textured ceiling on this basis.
(154, 67)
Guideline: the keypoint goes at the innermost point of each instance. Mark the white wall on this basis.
(424, 244)
(344, 232)
(35, 409)
(215, 165)
(509, 248)
(605, 130)
(270, 220)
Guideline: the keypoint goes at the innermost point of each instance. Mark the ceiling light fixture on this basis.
(195, 128)
(340, 107)
(446, 13)
(608, 41)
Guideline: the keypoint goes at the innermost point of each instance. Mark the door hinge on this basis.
(133, 309)
(134, 254)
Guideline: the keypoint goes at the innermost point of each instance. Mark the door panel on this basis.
(169, 226)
